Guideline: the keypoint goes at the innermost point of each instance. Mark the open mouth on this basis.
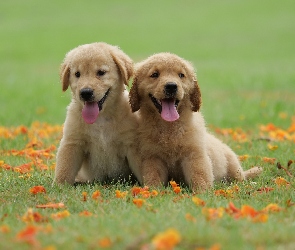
(167, 107)
(91, 110)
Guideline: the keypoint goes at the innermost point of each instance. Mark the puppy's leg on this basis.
(154, 172)
(68, 162)
(234, 169)
(252, 172)
(198, 172)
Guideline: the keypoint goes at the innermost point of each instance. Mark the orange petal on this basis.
(51, 205)
(166, 240)
(198, 201)
(138, 202)
(37, 189)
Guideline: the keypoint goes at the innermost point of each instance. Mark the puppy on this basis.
(172, 138)
(99, 126)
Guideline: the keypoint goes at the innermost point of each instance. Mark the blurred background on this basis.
(243, 51)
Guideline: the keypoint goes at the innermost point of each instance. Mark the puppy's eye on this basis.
(100, 73)
(181, 75)
(155, 75)
(77, 74)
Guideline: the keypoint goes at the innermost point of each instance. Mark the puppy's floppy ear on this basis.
(65, 76)
(124, 64)
(195, 97)
(134, 99)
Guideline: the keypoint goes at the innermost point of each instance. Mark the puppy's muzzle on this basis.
(86, 94)
(170, 89)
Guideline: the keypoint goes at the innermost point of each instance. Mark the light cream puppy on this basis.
(99, 127)
(172, 138)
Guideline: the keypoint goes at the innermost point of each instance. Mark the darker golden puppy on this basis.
(172, 139)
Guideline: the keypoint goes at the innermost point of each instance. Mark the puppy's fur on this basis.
(172, 137)
(99, 126)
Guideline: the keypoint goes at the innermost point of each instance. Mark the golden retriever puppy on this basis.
(99, 126)
(172, 138)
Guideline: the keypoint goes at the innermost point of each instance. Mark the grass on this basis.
(244, 55)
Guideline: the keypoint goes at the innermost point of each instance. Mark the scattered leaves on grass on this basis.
(38, 155)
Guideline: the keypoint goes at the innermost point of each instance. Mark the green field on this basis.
(244, 54)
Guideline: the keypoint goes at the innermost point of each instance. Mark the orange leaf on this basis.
(189, 217)
(176, 190)
(135, 191)
(232, 208)
(272, 208)
(272, 147)
(105, 242)
(120, 194)
(51, 205)
(28, 235)
(60, 215)
(96, 194)
(166, 240)
(198, 201)
(269, 160)
(264, 189)
(243, 157)
(213, 213)
(84, 194)
(31, 216)
(290, 203)
(37, 189)
(25, 168)
(260, 218)
(173, 184)
(280, 181)
(154, 193)
(4, 229)
(138, 202)
(247, 210)
(85, 213)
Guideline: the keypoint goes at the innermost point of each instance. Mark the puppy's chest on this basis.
(102, 140)
(165, 140)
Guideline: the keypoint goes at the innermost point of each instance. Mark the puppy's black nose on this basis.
(170, 88)
(86, 94)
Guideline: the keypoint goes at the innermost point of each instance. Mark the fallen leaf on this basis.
(51, 205)
(280, 181)
(138, 202)
(37, 189)
(105, 242)
(198, 201)
(96, 194)
(60, 215)
(166, 240)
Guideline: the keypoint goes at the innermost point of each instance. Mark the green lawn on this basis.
(244, 55)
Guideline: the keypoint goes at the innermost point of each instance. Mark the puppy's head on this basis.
(166, 84)
(96, 73)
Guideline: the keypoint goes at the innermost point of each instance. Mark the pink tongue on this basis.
(169, 112)
(90, 112)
